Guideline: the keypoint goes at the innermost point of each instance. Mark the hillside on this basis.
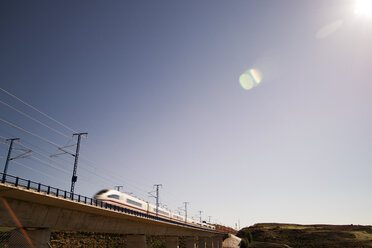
(274, 235)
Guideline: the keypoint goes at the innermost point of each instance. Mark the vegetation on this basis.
(306, 236)
(157, 244)
(246, 237)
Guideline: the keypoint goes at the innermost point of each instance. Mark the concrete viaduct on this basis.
(35, 213)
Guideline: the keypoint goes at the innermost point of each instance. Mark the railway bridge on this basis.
(33, 210)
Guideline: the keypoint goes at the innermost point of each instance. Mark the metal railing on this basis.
(46, 189)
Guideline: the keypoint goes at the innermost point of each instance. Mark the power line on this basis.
(39, 172)
(58, 146)
(56, 167)
(32, 118)
(51, 165)
(40, 154)
(51, 118)
(100, 177)
(39, 111)
(35, 135)
(43, 155)
(113, 174)
(44, 114)
(63, 170)
(47, 157)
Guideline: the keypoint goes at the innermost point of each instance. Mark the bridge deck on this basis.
(44, 209)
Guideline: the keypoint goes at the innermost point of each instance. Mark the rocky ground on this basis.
(307, 236)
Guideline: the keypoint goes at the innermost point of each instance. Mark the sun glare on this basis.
(363, 8)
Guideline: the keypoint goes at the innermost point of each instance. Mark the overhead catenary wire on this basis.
(27, 147)
(35, 135)
(50, 142)
(107, 179)
(94, 164)
(46, 115)
(34, 119)
(51, 165)
(84, 178)
(60, 169)
(43, 150)
(31, 133)
(102, 178)
(39, 111)
(53, 177)
(37, 171)
(47, 175)
(40, 154)
(47, 163)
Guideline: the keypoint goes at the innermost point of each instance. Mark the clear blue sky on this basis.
(156, 86)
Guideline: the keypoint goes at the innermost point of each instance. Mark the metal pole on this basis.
(8, 157)
(74, 177)
(157, 197)
(186, 211)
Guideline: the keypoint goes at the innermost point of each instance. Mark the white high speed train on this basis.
(124, 200)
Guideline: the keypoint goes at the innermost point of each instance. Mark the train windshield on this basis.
(102, 192)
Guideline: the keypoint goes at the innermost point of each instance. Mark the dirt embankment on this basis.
(307, 236)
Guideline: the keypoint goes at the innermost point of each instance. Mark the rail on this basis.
(46, 189)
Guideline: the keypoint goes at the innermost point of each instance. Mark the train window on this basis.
(113, 196)
(161, 212)
(134, 203)
(102, 192)
(178, 217)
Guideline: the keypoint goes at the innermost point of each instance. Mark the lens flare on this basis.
(16, 220)
(329, 29)
(250, 79)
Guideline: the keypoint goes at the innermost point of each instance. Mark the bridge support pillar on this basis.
(209, 242)
(201, 242)
(171, 242)
(189, 242)
(37, 238)
(136, 241)
(217, 242)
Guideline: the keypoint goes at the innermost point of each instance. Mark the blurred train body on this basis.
(121, 199)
